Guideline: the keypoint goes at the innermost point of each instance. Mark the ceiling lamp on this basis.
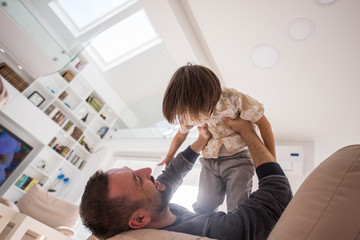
(265, 56)
(300, 29)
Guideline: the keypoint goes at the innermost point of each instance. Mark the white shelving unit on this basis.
(81, 118)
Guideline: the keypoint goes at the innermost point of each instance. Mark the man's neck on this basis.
(164, 219)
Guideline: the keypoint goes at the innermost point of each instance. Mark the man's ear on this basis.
(140, 218)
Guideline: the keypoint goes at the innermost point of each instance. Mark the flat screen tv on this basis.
(13, 151)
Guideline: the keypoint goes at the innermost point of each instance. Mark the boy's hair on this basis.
(193, 89)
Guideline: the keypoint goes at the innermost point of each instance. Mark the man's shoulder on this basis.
(177, 209)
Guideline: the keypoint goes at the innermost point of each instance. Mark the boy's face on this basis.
(202, 119)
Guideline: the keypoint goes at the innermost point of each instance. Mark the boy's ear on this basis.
(140, 218)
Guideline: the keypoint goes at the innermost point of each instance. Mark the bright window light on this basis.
(85, 12)
(131, 34)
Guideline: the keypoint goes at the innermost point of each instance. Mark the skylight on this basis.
(125, 37)
(83, 13)
(130, 36)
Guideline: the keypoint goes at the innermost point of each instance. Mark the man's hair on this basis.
(193, 89)
(105, 217)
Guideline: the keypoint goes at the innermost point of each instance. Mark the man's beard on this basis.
(164, 197)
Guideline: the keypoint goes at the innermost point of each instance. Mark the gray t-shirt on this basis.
(253, 219)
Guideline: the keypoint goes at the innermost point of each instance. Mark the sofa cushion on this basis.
(326, 206)
(153, 234)
(48, 209)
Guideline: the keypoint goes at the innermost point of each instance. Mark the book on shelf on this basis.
(81, 165)
(75, 160)
(67, 125)
(49, 109)
(63, 95)
(76, 133)
(51, 143)
(59, 118)
(70, 155)
(94, 102)
(26, 182)
(12, 77)
(21, 180)
(78, 163)
(61, 121)
(31, 184)
(68, 75)
(64, 150)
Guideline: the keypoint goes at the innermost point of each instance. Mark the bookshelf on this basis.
(81, 118)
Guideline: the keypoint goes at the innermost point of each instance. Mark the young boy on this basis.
(194, 97)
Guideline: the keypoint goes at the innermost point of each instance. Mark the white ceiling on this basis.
(311, 94)
(313, 91)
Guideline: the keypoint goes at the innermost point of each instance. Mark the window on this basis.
(81, 15)
(124, 40)
(120, 36)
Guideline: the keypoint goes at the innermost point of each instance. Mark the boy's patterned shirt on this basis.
(232, 103)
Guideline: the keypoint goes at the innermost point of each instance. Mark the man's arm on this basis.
(174, 173)
(257, 149)
(267, 134)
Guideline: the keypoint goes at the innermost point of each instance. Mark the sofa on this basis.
(38, 214)
(325, 207)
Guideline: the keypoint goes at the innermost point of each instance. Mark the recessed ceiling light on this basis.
(2, 50)
(20, 67)
(265, 56)
(300, 29)
(326, 2)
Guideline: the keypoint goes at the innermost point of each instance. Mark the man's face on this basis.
(138, 185)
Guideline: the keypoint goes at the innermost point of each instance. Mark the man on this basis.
(123, 199)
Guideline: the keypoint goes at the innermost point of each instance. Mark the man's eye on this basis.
(140, 180)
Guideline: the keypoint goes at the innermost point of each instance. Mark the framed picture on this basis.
(36, 98)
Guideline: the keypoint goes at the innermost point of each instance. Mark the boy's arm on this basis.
(175, 144)
(267, 134)
(172, 176)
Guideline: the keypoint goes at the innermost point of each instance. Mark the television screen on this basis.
(13, 151)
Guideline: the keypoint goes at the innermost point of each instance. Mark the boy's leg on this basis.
(211, 187)
(237, 172)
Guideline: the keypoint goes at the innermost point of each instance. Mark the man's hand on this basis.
(240, 125)
(256, 147)
(204, 132)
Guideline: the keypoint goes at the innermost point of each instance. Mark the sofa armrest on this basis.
(66, 231)
(23, 224)
(9, 204)
(326, 206)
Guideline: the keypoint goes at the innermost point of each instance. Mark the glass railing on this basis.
(146, 133)
(30, 24)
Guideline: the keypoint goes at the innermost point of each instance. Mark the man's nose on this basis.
(145, 172)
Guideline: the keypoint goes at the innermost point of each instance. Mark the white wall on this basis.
(26, 52)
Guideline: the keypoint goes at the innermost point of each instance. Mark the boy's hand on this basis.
(166, 161)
